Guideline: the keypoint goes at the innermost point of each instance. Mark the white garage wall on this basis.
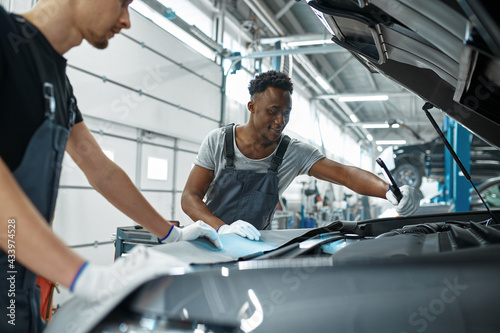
(141, 102)
(17, 6)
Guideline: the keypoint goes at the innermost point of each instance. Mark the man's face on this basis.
(100, 20)
(270, 112)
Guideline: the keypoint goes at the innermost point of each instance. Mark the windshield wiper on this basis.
(427, 106)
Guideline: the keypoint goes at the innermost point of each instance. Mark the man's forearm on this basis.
(366, 183)
(196, 209)
(112, 182)
(118, 189)
(24, 233)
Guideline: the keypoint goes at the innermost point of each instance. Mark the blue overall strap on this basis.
(48, 91)
(48, 87)
(229, 145)
(278, 157)
(72, 105)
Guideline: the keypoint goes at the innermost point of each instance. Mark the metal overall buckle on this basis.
(72, 112)
(50, 101)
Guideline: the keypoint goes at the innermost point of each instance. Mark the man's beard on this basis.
(99, 42)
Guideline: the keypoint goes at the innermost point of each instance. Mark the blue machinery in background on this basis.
(456, 187)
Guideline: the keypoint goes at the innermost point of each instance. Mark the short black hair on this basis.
(270, 78)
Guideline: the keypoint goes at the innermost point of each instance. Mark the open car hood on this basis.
(355, 277)
(445, 51)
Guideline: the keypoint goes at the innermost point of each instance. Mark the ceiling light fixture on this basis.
(369, 137)
(353, 118)
(322, 82)
(170, 27)
(309, 42)
(374, 125)
(363, 98)
(391, 142)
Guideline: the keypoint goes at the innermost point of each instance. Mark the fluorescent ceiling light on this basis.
(382, 125)
(380, 149)
(395, 126)
(309, 42)
(391, 142)
(354, 118)
(322, 82)
(369, 137)
(363, 98)
(172, 28)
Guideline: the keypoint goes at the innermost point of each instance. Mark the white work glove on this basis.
(241, 228)
(409, 203)
(98, 282)
(193, 231)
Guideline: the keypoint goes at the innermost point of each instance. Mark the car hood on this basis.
(445, 51)
(79, 315)
(285, 288)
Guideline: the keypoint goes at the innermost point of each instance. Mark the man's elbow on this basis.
(189, 201)
(185, 201)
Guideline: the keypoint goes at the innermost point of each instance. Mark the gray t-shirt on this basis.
(298, 159)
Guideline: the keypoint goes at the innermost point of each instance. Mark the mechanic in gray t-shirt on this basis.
(243, 169)
(211, 156)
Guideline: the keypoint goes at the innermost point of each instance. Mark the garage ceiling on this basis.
(289, 28)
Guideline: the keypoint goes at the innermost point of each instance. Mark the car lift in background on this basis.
(427, 106)
(455, 184)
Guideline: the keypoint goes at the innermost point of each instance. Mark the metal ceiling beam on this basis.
(415, 123)
(206, 6)
(292, 38)
(340, 69)
(297, 25)
(302, 50)
(285, 9)
(266, 16)
(390, 94)
(190, 29)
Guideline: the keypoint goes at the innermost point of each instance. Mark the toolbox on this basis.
(130, 236)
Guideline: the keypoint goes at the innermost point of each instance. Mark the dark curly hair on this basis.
(270, 79)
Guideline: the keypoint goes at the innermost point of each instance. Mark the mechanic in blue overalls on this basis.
(242, 170)
(39, 120)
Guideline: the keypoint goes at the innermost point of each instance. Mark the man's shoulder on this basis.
(213, 139)
(303, 149)
(7, 24)
(216, 134)
(297, 144)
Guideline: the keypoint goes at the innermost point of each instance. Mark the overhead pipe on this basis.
(264, 14)
(285, 9)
